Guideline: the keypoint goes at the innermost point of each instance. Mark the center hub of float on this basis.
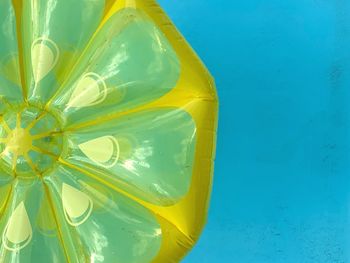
(30, 141)
(19, 141)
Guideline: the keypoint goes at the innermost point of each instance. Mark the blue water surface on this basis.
(282, 178)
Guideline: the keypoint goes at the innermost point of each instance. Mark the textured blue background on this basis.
(282, 183)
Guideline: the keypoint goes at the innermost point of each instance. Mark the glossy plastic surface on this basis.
(107, 133)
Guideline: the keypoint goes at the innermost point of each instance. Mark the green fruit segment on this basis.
(54, 35)
(150, 152)
(10, 80)
(128, 63)
(25, 237)
(98, 224)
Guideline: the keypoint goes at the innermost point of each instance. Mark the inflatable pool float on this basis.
(107, 133)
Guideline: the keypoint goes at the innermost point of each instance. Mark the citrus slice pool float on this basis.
(107, 133)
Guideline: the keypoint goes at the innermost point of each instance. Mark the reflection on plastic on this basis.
(107, 133)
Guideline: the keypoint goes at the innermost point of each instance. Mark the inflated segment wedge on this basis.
(107, 133)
